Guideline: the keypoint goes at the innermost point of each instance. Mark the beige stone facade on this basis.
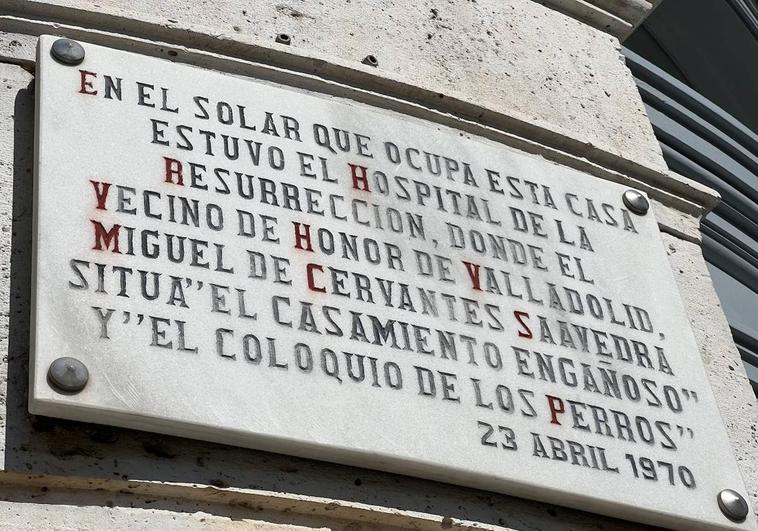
(545, 77)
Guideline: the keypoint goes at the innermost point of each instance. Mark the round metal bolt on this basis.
(636, 202)
(67, 52)
(68, 375)
(370, 60)
(283, 38)
(733, 505)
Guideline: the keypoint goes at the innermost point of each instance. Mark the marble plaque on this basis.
(258, 265)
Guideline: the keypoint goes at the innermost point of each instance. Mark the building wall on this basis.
(513, 70)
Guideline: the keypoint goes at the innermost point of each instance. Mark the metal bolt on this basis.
(636, 202)
(370, 60)
(283, 38)
(67, 52)
(68, 375)
(733, 505)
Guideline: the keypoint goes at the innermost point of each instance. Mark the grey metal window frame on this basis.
(701, 141)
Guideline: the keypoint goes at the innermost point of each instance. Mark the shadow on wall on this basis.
(41, 446)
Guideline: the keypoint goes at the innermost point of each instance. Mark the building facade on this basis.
(545, 78)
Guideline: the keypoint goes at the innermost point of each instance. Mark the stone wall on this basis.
(513, 70)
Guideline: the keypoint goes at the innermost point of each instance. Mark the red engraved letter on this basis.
(525, 332)
(85, 85)
(302, 235)
(174, 168)
(556, 408)
(359, 179)
(101, 193)
(473, 273)
(311, 281)
(103, 238)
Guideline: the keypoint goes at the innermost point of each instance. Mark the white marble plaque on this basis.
(257, 265)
